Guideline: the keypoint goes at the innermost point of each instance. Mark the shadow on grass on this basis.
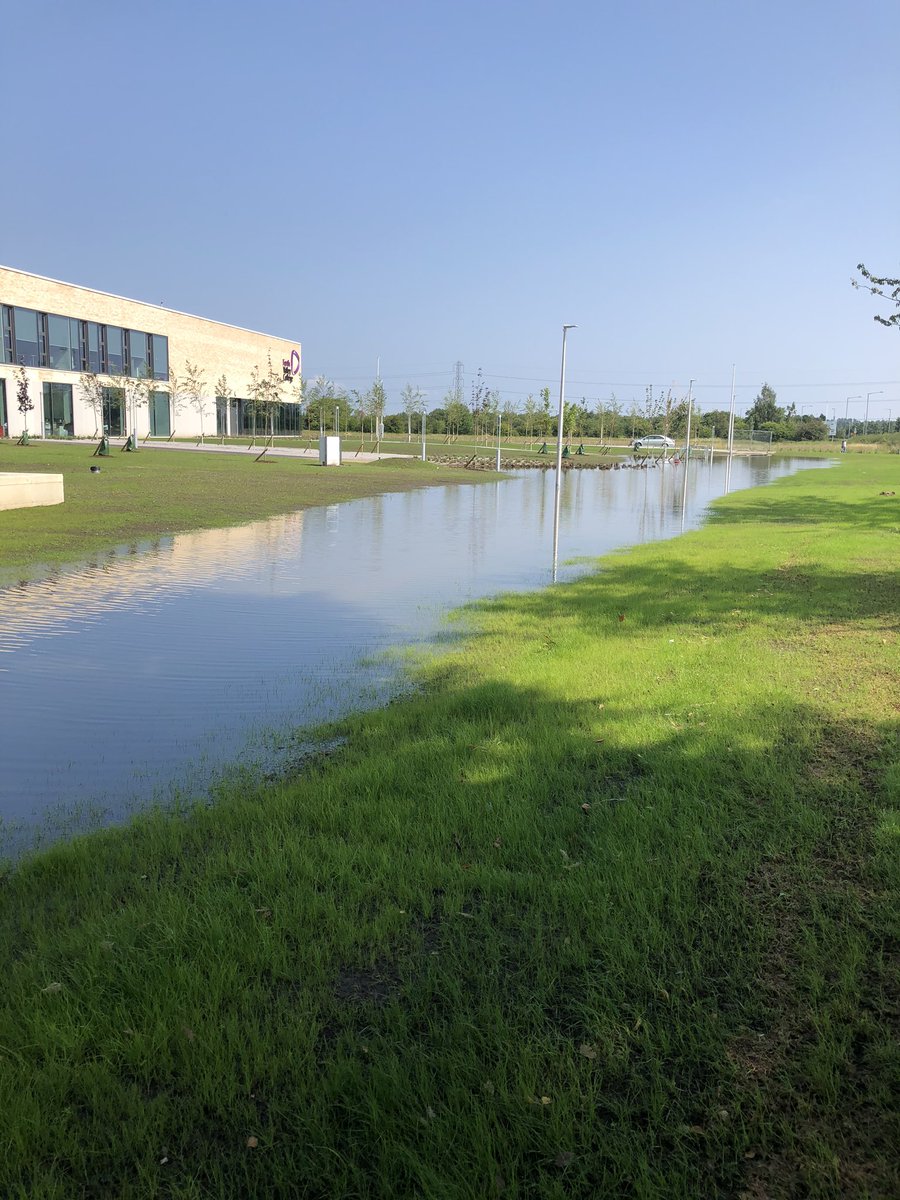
(479, 944)
(877, 512)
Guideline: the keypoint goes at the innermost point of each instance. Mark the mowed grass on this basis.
(608, 908)
(145, 495)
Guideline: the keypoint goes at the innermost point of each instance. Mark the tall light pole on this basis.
(559, 442)
(846, 413)
(866, 421)
(423, 432)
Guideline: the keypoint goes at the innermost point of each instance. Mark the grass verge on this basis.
(143, 496)
(608, 909)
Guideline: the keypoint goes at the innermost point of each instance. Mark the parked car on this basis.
(653, 441)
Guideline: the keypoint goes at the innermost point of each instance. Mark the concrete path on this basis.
(275, 451)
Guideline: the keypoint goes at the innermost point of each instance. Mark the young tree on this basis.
(192, 385)
(544, 413)
(411, 399)
(24, 402)
(135, 394)
(322, 396)
(480, 393)
(510, 409)
(92, 393)
(264, 391)
(530, 409)
(614, 412)
(177, 394)
(880, 286)
(378, 401)
(224, 393)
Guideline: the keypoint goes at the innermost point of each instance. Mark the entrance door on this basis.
(113, 412)
(58, 421)
(4, 428)
(160, 424)
(221, 416)
(236, 427)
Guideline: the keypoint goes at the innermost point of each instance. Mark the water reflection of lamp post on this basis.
(559, 442)
(687, 452)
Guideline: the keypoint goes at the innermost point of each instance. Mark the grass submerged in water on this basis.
(140, 497)
(609, 909)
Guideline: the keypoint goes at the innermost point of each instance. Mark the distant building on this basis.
(73, 342)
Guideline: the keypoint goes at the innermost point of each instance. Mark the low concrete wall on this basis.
(29, 491)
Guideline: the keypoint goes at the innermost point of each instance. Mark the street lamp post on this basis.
(423, 433)
(846, 413)
(866, 419)
(559, 442)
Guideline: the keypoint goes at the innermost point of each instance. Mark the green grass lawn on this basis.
(609, 907)
(136, 497)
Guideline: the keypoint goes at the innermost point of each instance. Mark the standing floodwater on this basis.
(153, 670)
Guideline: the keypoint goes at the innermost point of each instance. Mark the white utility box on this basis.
(330, 451)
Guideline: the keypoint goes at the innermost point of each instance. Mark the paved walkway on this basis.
(275, 451)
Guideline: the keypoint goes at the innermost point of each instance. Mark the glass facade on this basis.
(58, 421)
(35, 339)
(247, 419)
(4, 423)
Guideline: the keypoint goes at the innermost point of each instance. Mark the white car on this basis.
(653, 441)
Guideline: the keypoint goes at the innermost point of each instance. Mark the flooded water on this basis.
(148, 672)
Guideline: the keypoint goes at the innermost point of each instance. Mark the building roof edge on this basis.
(131, 300)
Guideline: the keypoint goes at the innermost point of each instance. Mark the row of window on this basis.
(233, 416)
(36, 339)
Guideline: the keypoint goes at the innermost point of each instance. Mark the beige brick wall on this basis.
(216, 349)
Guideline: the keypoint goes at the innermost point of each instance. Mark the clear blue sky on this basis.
(692, 183)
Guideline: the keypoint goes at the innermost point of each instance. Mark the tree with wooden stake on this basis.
(411, 398)
(92, 394)
(24, 402)
(192, 385)
(225, 394)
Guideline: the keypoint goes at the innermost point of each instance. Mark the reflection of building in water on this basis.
(95, 361)
(149, 574)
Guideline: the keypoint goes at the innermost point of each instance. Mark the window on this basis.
(139, 354)
(6, 337)
(78, 338)
(36, 339)
(58, 410)
(62, 353)
(94, 361)
(115, 351)
(28, 347)
(159, 347)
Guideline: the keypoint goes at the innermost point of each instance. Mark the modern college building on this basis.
(99, 363)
